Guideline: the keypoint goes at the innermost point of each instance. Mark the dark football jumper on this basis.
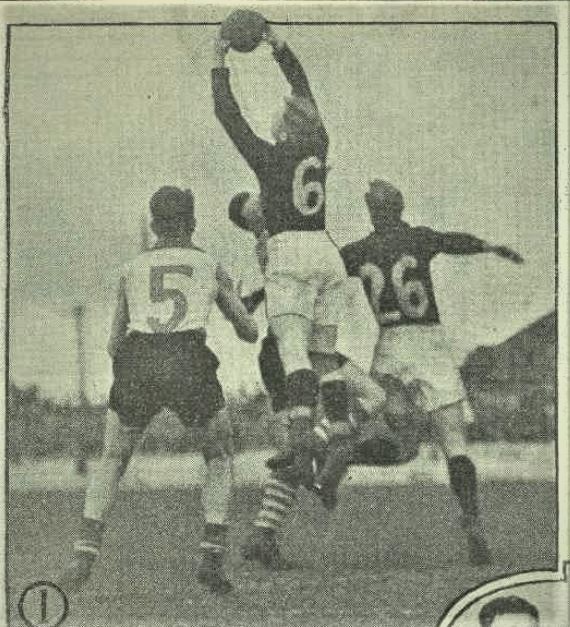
(284, 168)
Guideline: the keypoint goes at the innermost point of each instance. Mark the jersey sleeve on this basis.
(450, 243)
(293, 72)
(429, 240)
(254, 150)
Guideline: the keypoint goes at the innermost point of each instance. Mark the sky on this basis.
(460, 118)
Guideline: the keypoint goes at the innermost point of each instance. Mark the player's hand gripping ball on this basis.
(243, 29)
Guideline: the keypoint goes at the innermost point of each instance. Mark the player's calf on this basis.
(278, 499)
(217, 449)
(448, 422)
(463, 480)
(103, 483)
(341, 448)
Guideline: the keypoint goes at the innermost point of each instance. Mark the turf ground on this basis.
(389, 556)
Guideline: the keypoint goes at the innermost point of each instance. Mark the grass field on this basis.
(389, 556)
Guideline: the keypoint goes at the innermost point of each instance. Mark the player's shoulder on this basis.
(426, 240)
(355, 253)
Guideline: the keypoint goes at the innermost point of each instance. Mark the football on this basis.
(243, 29)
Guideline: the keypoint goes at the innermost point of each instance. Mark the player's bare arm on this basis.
(234, 310)
(120, 323)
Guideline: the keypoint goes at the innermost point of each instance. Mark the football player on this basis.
(161, 360)
(304, 275)
(394, 265)
(369, 441)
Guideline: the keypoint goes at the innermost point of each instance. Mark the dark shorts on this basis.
(176, 371)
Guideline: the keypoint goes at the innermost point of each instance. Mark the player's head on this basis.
(299, 119)
(172, 211)
(246, 212)
(509, 612)
(385, 203)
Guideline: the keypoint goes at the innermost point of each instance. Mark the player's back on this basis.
(394, 265)
(170, 290)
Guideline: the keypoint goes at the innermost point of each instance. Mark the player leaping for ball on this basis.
(379, 430)
(160, 360)
(304, 275)
(394, 264)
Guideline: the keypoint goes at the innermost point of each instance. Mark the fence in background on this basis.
(39, 427)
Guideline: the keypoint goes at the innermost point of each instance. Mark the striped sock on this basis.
(278, 499)
(326, 430)
(215, 539)
(90, 537)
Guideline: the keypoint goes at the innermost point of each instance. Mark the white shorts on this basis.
(420, 357)
(305, 276)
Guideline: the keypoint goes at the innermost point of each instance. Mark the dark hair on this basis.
(172, 210)
(505, 605)
(392, 202)
(235, 210)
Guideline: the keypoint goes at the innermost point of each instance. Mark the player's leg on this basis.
(336, 434)
(279, 495)
(217, 449)
(333, 386)
(197, 397)
(292, 332)
(448, 424)
(119, 443)
(279, 491)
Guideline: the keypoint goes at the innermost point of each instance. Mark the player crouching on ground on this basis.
(160, 360)
(394, 265)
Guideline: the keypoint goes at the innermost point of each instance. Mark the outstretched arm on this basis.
(120, 322)
(253, 149)
(290, 65)
(465, 244)
(234, 310)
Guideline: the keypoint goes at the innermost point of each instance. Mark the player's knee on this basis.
(453, 445)
(449, 426)
(294, 357)
(118, 450)
(292, 341)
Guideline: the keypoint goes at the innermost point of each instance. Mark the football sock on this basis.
(335, 400)
(215, 539)
(325, 431)
(463, 479)
(278, 500)
(90, 537)
(302, 388)
(217, 490)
